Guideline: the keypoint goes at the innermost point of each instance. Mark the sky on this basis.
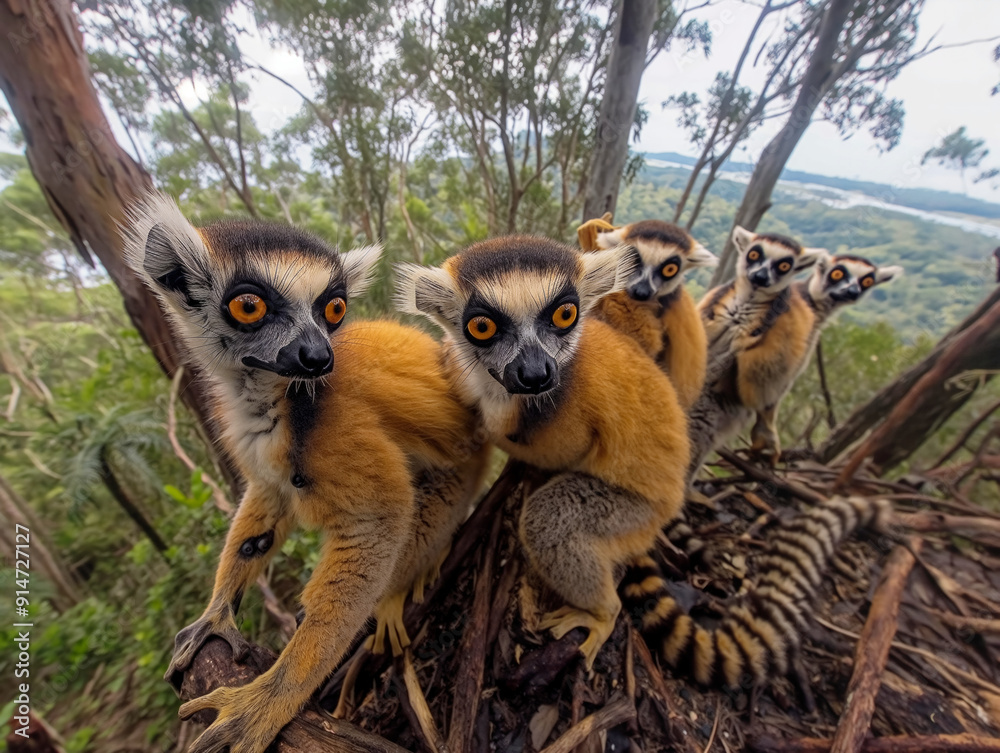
(941, 92)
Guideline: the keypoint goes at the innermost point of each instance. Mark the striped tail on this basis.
(760, 632)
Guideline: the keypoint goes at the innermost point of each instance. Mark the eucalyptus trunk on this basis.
(816, 83)
(621, 92)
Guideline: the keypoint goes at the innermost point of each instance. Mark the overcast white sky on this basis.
(941, 92)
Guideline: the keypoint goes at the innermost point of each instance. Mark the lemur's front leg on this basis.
(444, 498)
(258, 530)
(576, 529)
(764, 435)
(355, 570)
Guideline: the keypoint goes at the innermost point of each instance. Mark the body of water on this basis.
(841, 199)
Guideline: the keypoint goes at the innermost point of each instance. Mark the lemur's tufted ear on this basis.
(742, 239)
(887, 274)
(605, 272)
(429, 292)
(822, 265)
(699, 256)
(810, 257)
(166, 251)
(360, 266)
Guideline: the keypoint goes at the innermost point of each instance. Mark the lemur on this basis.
(350, 428)
(562, 390)
(654, 309)
(737, 316)
(769, 369)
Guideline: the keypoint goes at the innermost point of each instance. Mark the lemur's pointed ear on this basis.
(360, 265)
(428, 291)
(887, 274)
(742, 238)
(809, 257)
(822, 264)
(699, 256)
(165, 250)
(605, 272)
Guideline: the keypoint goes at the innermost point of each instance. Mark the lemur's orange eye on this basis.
(564, 316)
(784, 267)
(837, 275)
(482, 327)
(247, 308)
(671, 269)
(335, 310)
(868, 282)
(754, 254)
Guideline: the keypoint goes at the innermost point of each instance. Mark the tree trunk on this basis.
(875, 410)
(131, 508)
(15, 510)
(87, 178)
(816, 82)
(621, 92)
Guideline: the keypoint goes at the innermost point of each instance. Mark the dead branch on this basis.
(614, 713)
(964, 437)
(873, 650)
(931, 744)
(765, 477)
(958, 355)
(981, 529)
(469, 678)
(414, 696)
(977, 624)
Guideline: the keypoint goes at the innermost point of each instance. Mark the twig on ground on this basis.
(468, 685)
(615, 713)
(930, 744)
(426, 727)
(873, 650)
(765, 477)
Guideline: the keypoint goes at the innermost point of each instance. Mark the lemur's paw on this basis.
(769, 455)
(564, 619)
(429, 576)
(389, 616)
(190, 639)
(249, 719)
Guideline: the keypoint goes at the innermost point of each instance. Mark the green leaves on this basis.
(199, 495)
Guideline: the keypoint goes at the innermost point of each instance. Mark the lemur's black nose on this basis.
(641, 291)
(306, 357)
(532, 372)
(316, 358)
(760, 278)
(535, 377)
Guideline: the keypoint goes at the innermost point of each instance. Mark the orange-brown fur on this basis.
(628, 431)
(669, 330)
(387, 410)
